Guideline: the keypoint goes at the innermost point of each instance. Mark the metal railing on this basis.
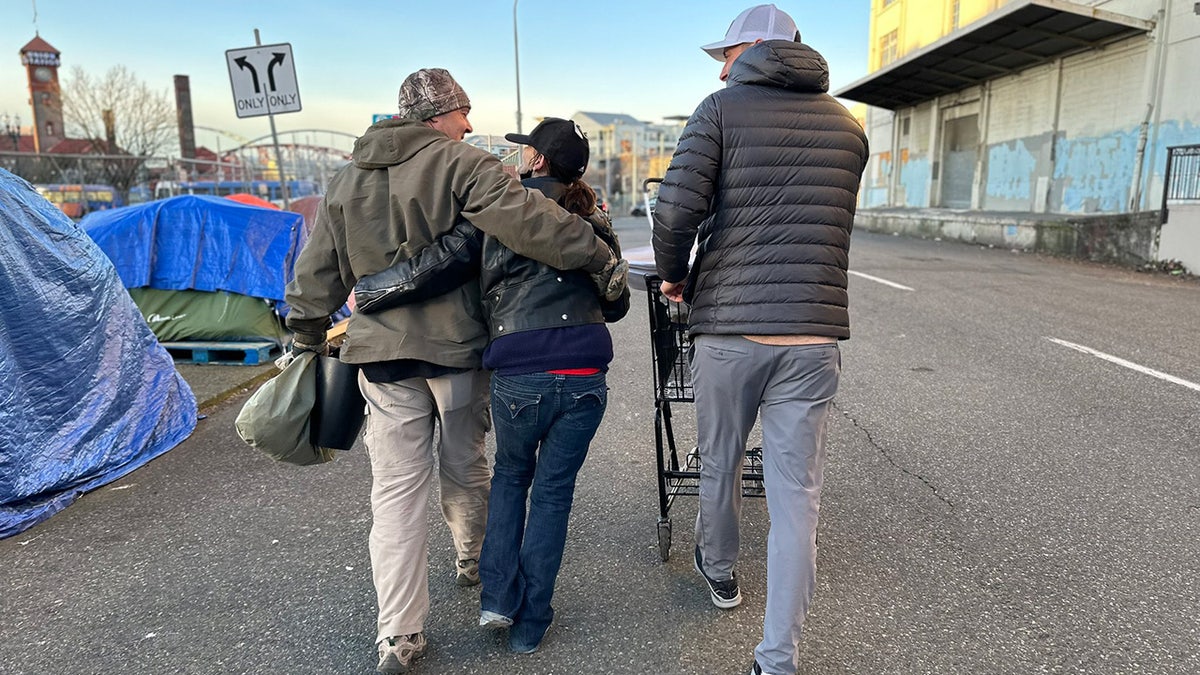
(1182, 179)
(132, 175)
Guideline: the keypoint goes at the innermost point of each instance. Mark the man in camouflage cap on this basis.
(421, 363)
(432, 96)
(431, 92)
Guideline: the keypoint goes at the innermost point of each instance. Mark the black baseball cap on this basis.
(560, 141)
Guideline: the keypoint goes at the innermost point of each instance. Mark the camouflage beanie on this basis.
(430, 92)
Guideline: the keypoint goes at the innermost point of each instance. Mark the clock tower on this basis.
(41, 65)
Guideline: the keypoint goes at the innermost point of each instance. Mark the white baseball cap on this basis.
(761, 22)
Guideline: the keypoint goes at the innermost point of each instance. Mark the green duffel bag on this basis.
(275, 418)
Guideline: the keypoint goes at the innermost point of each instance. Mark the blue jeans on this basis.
(543, 424)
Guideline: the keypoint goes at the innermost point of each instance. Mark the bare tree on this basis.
(122, 116)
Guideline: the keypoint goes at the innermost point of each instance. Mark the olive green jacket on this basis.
(407, 185)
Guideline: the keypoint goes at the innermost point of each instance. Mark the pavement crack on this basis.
(886, 455)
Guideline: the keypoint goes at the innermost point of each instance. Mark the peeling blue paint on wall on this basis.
(874, 197)
(1090, 174)
(915, 178)
(1011, 171)
(1095, 173)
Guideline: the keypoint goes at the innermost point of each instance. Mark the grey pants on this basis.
(400, 440)
(791, 386)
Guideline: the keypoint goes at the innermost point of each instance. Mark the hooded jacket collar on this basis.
(393, 141)
(784, 64)
(550, 186)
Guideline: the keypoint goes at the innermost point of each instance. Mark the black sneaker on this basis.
(725, 594)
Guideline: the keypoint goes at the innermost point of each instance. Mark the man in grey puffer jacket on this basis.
(765, 179)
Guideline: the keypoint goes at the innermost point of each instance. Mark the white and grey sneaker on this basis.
(493, 620)
(397, 653)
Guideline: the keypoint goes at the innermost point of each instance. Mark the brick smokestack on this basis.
(183, 115)
(110, 131)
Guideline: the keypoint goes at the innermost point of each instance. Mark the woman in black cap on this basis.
(549, 352)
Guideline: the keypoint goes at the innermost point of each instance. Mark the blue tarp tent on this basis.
(87, 394)
(200, 243)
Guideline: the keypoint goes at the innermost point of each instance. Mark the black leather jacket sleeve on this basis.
(449, 262)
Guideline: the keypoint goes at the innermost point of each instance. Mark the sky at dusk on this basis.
(618, 56)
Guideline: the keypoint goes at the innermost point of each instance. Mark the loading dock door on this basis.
(960, 147)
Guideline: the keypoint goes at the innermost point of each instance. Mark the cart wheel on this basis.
(664, 539)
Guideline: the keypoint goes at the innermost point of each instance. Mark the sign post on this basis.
(263, 78)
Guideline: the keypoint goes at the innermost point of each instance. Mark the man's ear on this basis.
(539, 163)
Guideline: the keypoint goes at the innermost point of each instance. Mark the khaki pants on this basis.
(400, 440)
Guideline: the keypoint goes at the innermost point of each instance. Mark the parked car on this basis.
(639, 209)
(601, 198)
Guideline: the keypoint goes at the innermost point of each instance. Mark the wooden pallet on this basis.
(221, 353)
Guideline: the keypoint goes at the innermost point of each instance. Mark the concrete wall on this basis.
(915, 170)
(1020, 143)
(1176, 120)
(1180, 236)
(1127, 238)
(877, 178)
(1097, 133)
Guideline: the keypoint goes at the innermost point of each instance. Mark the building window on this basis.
(888, 48)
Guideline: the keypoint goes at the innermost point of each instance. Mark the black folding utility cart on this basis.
(679, 474)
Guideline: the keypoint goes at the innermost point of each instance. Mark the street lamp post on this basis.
(517, 63)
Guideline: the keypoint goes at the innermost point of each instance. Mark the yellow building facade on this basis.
(899, 27)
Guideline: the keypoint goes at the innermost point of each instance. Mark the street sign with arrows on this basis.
(263, 80)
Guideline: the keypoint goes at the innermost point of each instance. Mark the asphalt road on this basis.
(995, 502)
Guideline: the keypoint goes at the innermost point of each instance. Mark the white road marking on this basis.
(885, 282)
(1128, 364)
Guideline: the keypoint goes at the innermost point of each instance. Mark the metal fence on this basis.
(136, 178)
(47, 168)
(1182, 179)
